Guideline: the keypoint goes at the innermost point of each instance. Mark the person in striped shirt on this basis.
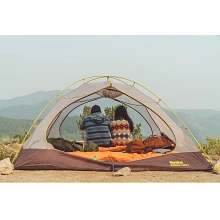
(97, 127)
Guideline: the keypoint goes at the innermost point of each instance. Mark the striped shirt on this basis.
(97, 129)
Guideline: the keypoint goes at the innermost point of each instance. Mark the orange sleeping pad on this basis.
(111, 154)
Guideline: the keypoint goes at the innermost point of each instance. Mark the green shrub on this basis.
(21, 138)
(9, 146)
(18, 137)
(212, 145)
(6, 152)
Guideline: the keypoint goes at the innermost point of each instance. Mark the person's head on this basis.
(121, 113)
(95, 109)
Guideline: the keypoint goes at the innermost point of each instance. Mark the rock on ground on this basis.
(6, 167)
(216, 168)
(126, 171)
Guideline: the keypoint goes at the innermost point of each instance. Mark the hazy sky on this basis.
(183, 70)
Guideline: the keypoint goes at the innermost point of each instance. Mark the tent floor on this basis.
(48, 159)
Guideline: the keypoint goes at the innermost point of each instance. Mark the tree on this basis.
(137, 132)
(86, 112)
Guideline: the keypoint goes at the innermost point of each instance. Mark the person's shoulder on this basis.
(124, 120)
(116, 121)
(120, 120)
(87, 118)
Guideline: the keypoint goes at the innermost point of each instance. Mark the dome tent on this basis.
(37, 153)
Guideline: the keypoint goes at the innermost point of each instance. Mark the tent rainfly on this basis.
(36, 153)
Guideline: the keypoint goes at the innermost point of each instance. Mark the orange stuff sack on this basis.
(136, 146)
(155, 142)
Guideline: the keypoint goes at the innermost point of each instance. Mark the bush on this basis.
(21, 138)
(9, 146)
(6, 152)
(212, 145)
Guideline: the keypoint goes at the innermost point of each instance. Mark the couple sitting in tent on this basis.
(105, 133)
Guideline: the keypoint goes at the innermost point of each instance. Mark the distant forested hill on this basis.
(10, 127)
(199, 125)
(24, 111)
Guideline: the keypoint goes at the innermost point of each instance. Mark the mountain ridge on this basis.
(31, 99)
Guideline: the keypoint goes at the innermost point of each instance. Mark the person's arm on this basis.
(107, 119)
(109, 125)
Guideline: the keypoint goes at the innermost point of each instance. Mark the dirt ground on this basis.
(63, 176)
(53, 176)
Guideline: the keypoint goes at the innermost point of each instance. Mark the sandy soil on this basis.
(61, 176)
(53, 176)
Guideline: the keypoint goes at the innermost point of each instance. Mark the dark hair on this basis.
(95, 109)
(121, 113)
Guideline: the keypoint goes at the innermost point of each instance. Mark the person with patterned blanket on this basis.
(121, 127)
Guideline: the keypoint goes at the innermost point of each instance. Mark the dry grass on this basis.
(6, 152)
(8, 148)
(211, 146)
